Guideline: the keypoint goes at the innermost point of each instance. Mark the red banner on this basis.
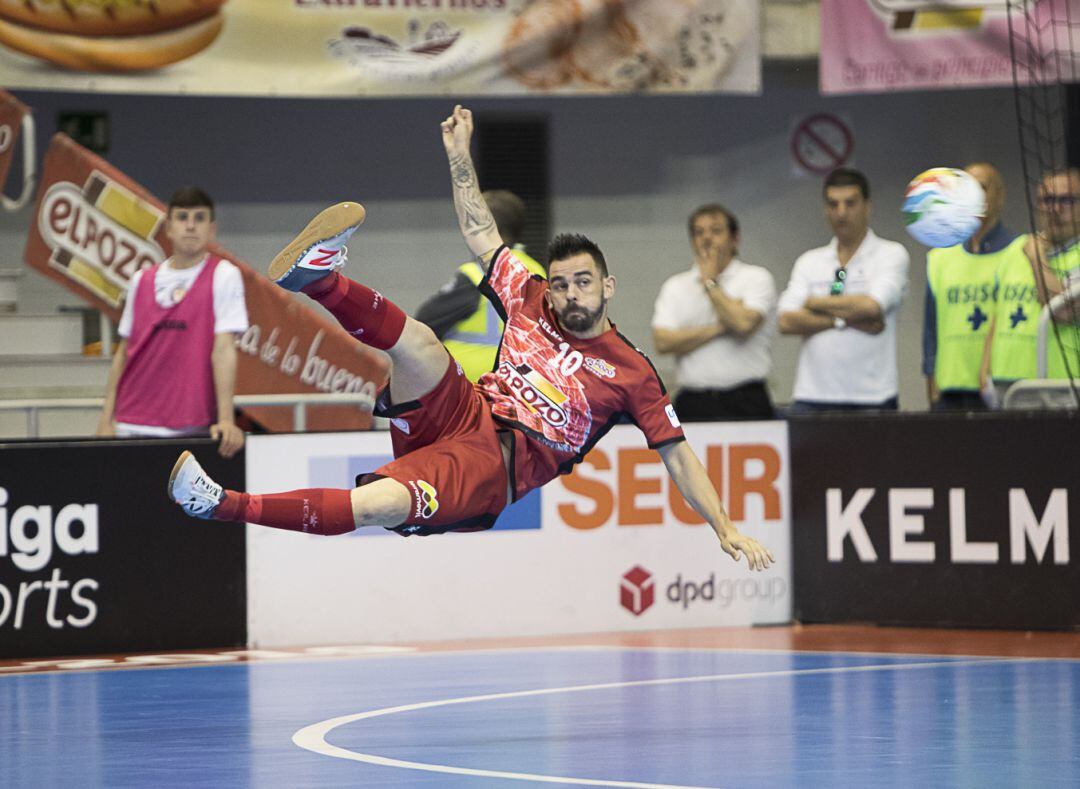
(94, 228)
(12, 112)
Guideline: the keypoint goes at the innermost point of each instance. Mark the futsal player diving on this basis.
(463, 452)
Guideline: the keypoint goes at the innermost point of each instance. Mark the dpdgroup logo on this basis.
(637, 590)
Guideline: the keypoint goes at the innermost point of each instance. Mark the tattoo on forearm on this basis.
(462, 173)
(474, 217)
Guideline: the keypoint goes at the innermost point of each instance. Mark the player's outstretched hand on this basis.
(457, 132)
(736, 546)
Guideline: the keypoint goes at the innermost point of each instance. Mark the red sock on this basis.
(365, 313)
(314, 511)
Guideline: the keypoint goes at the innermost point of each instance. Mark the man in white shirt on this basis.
(174, 371)
(842, 299)
(719, 319)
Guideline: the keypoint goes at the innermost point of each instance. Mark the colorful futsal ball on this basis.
(943, 206)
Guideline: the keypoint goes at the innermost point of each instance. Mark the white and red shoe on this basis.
(319, 249)
(192, 488)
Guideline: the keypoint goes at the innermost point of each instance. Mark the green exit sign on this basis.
(88, 129)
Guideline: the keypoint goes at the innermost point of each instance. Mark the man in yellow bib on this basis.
(1030, 281)
(465, 322)
(961, 291)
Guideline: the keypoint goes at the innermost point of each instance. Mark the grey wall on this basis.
(627, 171)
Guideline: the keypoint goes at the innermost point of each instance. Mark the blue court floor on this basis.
(573, 715)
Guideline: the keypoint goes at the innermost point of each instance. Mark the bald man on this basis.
(961, 290)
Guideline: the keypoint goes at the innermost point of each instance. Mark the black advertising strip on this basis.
(937, 520)
(94, 558)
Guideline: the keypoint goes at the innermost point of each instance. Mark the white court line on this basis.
(313, 737)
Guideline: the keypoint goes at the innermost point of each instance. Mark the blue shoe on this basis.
(319, 249)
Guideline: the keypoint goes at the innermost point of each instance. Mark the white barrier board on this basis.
(611, 547)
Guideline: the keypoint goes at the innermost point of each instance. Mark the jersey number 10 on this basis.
(569, 362)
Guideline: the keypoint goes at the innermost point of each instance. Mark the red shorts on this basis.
(448, 454)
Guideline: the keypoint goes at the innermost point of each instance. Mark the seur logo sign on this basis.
(844, 521)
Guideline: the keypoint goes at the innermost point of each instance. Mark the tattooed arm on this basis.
(474, 218)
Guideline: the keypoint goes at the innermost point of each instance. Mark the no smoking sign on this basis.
(820, 143)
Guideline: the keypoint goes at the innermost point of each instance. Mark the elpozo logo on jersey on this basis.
(99, 234)
(599, 367)
(538, 393)
(426, 498)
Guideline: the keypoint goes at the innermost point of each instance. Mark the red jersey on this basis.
(563, 393)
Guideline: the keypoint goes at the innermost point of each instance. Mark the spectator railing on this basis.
(298, 402)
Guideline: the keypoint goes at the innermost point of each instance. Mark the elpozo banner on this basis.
(12, 112)
(874, 46)
(381, 47)
(94, 227)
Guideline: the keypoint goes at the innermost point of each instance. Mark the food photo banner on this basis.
(381, 47)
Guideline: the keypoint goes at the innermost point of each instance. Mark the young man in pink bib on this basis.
(563, 377)
(174, 372)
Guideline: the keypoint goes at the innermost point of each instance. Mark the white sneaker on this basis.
(319, 249)
(192, 489)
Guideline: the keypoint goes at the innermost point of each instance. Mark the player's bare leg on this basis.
(384, 502)
(419, 362)
(311, 263)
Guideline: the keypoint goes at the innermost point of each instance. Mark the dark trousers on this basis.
(959, 400)
(748, 401)
(812, 406)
